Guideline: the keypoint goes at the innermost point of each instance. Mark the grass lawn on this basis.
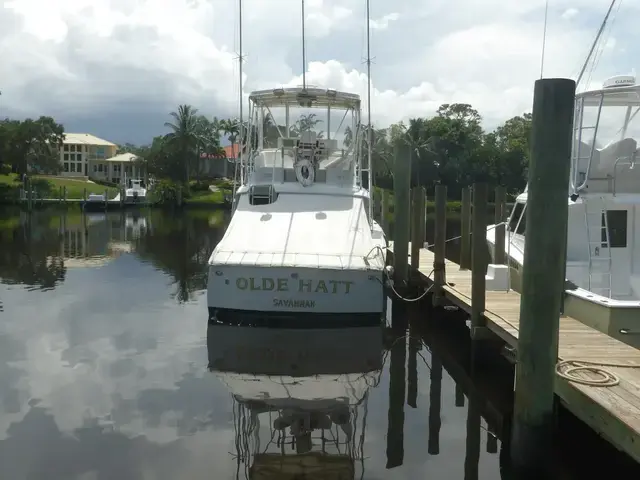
(206, 197)
(49, 187)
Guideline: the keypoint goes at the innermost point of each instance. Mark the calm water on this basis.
(108, 370)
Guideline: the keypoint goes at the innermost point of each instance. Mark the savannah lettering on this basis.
(290, 285)
(293, 303)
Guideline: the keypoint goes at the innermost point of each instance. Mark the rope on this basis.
(568, 369)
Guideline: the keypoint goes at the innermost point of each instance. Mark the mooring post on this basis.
(384, 216)
(459, 396)
(106, 198)
(472, 450)
(64, 195)
(465, 230)
(478, 258)
(415, 315)
(401, 188)
(29, 194)
(377, 211)
(435, 405)
(84, 195)
(500, 210)
(440, 235)
(60, 195)
(543, 272)
(417, 212)
(397, 386)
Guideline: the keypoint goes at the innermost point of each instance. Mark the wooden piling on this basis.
(84, 195)
(459, 396)
(478, 257)
(439, 274)
(465, 230)
(417, 214)
(543, 272)
(435, 405)
(64, 195)
(412, 362)
(377, 211)
(29, 194)
(472, 450)
(60, 195)
(106, 199)
(401, 186)
(500, 214)
(384, 216)
(395, 419)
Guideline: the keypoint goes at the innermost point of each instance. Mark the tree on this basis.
(184, 138)
(31, 144)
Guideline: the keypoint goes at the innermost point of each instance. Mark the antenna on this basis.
(304, 59)
(595, 42)
(238, 154)
(544, 36)
(369, 130)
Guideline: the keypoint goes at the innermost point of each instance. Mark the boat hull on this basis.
(615, 318)
(288, 292)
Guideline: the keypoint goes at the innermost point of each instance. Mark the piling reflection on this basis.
(300, 397)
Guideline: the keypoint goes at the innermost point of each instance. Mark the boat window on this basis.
(617, 222)
(515, 216)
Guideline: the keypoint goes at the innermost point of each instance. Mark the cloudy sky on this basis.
(115, 68)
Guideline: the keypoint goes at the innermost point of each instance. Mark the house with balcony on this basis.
(118, 169)
(81, 151)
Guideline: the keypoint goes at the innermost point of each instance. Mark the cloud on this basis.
(115, 68)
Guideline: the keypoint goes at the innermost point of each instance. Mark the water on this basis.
(108, 370)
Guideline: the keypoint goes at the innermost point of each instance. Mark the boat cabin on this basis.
(295, 140)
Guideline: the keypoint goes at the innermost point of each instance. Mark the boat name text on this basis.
(302, 286)
(294, 303)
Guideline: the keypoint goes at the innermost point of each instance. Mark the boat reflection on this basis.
(300, 397)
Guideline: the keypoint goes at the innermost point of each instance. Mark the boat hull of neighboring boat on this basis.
(615, 317)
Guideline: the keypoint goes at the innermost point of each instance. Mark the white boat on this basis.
(300, 396)
(302, 238)
(136, 192)
(603, 247)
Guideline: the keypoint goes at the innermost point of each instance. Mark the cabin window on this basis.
(517, 222)
(617, 222)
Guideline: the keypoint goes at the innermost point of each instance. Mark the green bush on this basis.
(165, 192)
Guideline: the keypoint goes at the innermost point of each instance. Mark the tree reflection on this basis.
(30, 253)
(180, 245)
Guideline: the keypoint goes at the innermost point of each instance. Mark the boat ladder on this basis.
(598, 238)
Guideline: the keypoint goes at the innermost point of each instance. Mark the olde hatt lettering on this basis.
(294, 285)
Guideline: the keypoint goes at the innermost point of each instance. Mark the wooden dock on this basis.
(613, 412)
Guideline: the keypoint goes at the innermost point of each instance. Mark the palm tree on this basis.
(184, 136)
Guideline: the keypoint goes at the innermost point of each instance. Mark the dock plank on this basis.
(613, 412)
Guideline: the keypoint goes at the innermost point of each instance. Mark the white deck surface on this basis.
(301, 230)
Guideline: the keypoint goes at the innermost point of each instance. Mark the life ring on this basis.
(305, 172)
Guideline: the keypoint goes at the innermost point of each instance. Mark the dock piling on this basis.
(417, 214)
(435, 405)
(465, 230)
(384, 215)
(401, 186)
(64, 195)
(543, 272)
(500, 213)
(439, 273)
(478, 258)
